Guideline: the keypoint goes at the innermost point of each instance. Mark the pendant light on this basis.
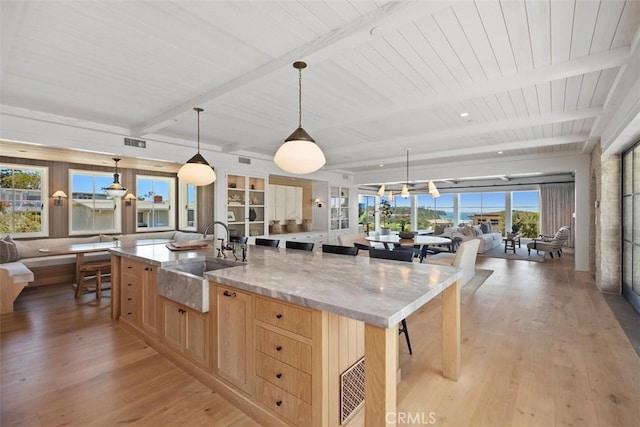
(390, 197)
(115, 190)
(299, 154)
(405, 188)
(197, 170)
(381, 190)
(433, 190)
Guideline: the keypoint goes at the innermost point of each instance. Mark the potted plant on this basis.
(385, 216)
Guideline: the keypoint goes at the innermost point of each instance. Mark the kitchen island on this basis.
(283, 330)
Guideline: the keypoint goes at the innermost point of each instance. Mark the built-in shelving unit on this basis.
(245, 205)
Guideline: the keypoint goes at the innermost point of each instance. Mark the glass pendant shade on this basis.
(115, 190)
(381, 190)
(405, 191)
(299, 154)
(390, 195)
(197, 170)
(433, 190)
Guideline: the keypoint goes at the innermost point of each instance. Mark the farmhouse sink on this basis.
(184, 283)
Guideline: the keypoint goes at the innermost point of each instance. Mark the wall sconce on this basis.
(128, 199)
(318, 203)
(57, 197)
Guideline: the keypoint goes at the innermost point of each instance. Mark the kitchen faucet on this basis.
(222, 245)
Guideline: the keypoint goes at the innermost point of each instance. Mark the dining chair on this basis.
(305, 246)
(267, 242)
(342, 250)
(396, 255)
(239, 239)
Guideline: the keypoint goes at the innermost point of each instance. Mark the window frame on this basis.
(117, 204)
(44, 199)
(171, 202)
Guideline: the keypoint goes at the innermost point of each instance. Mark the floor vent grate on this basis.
(351, 390)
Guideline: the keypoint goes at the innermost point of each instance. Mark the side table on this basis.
(510, 242)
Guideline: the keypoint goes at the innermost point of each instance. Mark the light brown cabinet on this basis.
(186, 331)
(138, 297)
(284, 359)
(234, 337)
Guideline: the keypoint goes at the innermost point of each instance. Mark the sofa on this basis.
(54, 268)
(489, 239)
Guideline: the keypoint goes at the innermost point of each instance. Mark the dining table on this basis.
(424, 242)
(80, 249)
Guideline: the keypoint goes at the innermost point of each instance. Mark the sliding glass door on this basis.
(631, 226)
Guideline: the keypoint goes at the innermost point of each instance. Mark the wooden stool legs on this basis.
(97, 269)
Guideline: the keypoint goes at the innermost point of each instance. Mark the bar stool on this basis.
(95, 268)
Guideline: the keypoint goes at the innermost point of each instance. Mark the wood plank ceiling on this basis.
(533, 76)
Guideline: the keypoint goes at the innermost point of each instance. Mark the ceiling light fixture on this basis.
(433, 190)
(405, 188)
(197, 170)
(299, 154)
(390, 196)
(464, 114)
(381, 190)
(115, 190)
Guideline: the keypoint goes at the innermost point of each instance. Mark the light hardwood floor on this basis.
(540, 347)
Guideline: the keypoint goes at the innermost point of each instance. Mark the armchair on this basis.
(464, 258)
(550, 244)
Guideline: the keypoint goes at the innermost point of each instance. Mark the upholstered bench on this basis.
(14, 276)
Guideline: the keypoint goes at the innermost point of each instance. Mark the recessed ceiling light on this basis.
(464, 114)
(381, 166)
(499, 152)
(375, 31)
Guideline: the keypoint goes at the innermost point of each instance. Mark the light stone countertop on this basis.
(375, 291)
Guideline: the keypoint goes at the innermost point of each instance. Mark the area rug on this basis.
(520, 255)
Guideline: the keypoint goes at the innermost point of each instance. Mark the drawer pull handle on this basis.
(279, 348)
(229, 294)
(129, 266)
(278, 402)
(146, 269)
(181, 311)
(278, 316)
(129, 313)
(279, 375)
(128, 299)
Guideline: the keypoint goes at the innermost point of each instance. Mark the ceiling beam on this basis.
(392, 14)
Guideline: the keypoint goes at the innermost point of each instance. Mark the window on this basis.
(400, 217)
(188, 205)
(525, 212)
(435, 212)
(366, 212)
(155, 197)
(23, 203)
(92, 210)
(482, 207)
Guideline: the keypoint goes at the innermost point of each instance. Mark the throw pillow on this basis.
(8, 250)
(438, 230)
(484, 228)
(467, 231)
(478, 230)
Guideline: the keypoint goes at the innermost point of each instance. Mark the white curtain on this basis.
(557, 205)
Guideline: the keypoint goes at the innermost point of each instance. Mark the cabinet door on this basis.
(149, 300)
(234, 313)
(196, 343)
(173, 330)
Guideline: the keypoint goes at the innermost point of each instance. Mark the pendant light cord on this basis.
(299, 97)
(407, 167)
(198, 110)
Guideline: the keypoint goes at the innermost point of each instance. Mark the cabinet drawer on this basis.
(130, 266)
(286, 377)
(286, 405)
(284, 349)
(290, 318)
(129, 310)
